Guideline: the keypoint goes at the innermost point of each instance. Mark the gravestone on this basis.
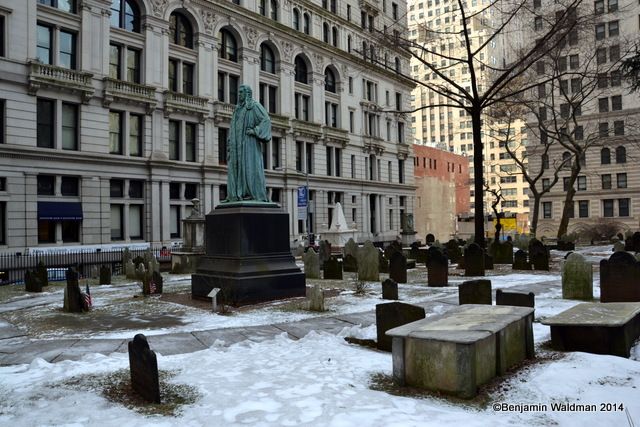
(143, 365)
(502, 252)
(41, 272)
(299, 251)
(520, 261)
(538, 255)
(140, 271)
(368, 263)
(316, 299)
(324, 252)
(333, 269)
(474, 260)
(126, 256)
(437, 268)
(153, 264)
(130, 269)
(618, 246)
(453, 252)
(475, 292)
(32, 282)
(350, 248)
(633, 244)
(430, 239)
(137, 261)
(398, 267)
(311, 264)
(105, 275)
(73, 301)
(393, 247)
(383, 262)
(391, 315)
(414, 252)
(577, 278)
(389, 289)
(350, 263)
(517, 299)
(619, 278)
(488, 261)
(156, 279)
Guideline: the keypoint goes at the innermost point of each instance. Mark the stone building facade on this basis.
(115, 114)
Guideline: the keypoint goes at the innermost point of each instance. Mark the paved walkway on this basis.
(17, 348)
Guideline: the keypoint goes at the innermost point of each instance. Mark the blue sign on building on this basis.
(303, 201)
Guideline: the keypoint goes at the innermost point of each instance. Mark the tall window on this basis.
(306, 24)
(65, 5)
(329, 81)
(273, 12)
(67, 50)
(325, 33)
(174, 140)
(296, 19)
(135, 135)
(44, 44)
(228, 48)
(546, 209)
(621, 154)
(605, 156)
(267, 59)
(45, 123)
(69, 126)
(125, 14)
(223, 134)
(301, 74)
(190, 135)
(117, 67)
(180, 31)
(115, 132)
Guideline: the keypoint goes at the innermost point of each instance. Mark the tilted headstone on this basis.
(140, 271)
(538, 255)
(350, 248)
(517, 299)
(32, 282)
(43, 275)
(316, 299)
(618, 246)
(130, 269)
(437, 268)
(502, 252)
(324, 252)
(391, 315)
(389, 289)
(474, 260)
(577, 278)
(73, 301)
(105, 275)
(475, 292)
(333, 269)
(143, 365)
(430, 239)
(383, 262)
(398, 267)
(520, 261)
(350, 263)
(453, 251)
(632, 244)
(620, 278)
(368, 265)
(311, 264)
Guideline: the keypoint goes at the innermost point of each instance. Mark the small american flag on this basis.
(152, 287)
(88, 302)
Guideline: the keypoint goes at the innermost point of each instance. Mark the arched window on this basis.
(301, 70)
(566, 156)
(296, 19)
(621, 154)
(274, 10)
(329, 81)
(397, 64)
(262, 7)
(267, 59)
(325, 32)
(306, 26)
(372, 56)
(605, 156)
(228, 48)
(125, 14)
(180, 31)
(334, 36)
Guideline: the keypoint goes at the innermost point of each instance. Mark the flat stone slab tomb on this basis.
(600, 328)
(458, 351)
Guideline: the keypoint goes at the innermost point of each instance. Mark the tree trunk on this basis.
(568, 200)
(536, 213)
(478, 183)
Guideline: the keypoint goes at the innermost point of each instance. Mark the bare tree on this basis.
(497, 198)
(497, 19)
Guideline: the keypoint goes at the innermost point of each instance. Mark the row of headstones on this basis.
(632, 244)
(392, 315)
(35, 280)
(618, 278)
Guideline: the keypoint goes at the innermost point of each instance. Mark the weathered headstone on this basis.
(324, 252)
(453, 251)
(333, 269)
(517, 299)
(488, 261)
(316, 299)
(391, 315)
(389, 289)
(157, 282)
(43, 275)
(350, 263)
(383, 262)
(619, 278)
(414, 251)
(430, 239)
(475, 292)
(538, 255)
(474, 260)
(105, 275)
(32, 282)
(633, 244)
(144, 369)
(618, 246)
(437, 268)
(368, 264)
(140, 271)
(398, 267)
(393, 247)
(153, 264)
(130, 269)
(577, 278)
(73, 302)
(298, 251)
(311, 264)
(350, 248)
(520, 261)
(502, 252)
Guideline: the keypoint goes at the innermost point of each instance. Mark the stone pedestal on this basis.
(186, 259)
(408, 237)
(248, 255)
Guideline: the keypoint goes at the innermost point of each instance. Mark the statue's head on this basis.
(244, 93)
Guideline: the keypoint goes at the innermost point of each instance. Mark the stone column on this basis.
(287, 91)
(317, 97)
(251, 70)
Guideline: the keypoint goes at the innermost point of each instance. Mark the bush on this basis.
(602, 230)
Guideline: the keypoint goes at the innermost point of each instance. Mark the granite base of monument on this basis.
(248, 256)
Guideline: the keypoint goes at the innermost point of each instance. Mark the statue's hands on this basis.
(251, 132)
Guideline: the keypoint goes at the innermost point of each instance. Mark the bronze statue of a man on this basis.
(250, 128)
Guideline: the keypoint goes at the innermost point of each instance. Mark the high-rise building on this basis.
(114, 114)
(435, 26)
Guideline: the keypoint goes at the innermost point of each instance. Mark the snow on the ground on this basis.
(319, 380)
